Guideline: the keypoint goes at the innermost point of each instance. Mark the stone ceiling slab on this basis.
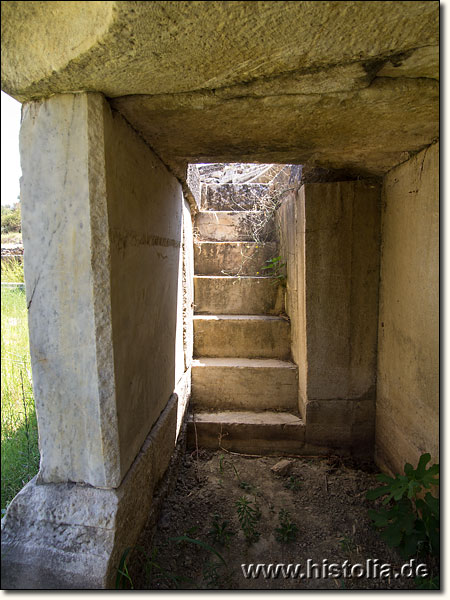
(366, 130)
(122, 48)
(342, 84)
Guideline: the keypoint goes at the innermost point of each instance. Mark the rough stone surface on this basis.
(242, 383)
(87, 260)
(231, 226)
(232, 258)
(290, 219)
(333, 262)
(407, 422)
(145, 219)
(283, 467)
(71, 536)
(330, 233)
(188, 286)
(267, 432)
(269, 82)
(242, 336)
(232, 196)
(64, 208)
(342, 425)
(342, 241)
(237, 295)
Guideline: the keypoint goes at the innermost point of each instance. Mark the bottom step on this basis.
(268, 433)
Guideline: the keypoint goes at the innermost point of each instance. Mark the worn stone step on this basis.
(268, 432)
(222, 295)
(243, 384)
(245, 336)
(232, 196)
(232, 226)
(232, 258)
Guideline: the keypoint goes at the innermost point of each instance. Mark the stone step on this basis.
(245, 336)
(222, 295)
(268, 432)
(232, 196)
(232, 226)
(243, 384)
(232, 258)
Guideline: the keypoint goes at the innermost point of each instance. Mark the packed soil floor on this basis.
(314, 510)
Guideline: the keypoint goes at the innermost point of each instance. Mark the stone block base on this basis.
(72, 536)
(342, 426)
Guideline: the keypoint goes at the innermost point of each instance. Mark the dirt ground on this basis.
(324, 512)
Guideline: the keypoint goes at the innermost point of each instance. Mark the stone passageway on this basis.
(244, 382)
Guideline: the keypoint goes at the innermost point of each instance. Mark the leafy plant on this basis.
(212, 573)
(204, 545)
(248, 516)
(220, 531)
(411, 521)
(293, 484)
(155, 572)
(11, 218)
(287, 531)
(276, 268)
(347, 544)
(245, 486)
(428, 583)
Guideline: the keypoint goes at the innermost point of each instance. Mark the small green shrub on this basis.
(287, 531)
(276, 268)
(248, 516)
(411, 521)
(245, 486)
(293, 484)
(11, 219)
(156, 573)
(220, 532)
(347, 544)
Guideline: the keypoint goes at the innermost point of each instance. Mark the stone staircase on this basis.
(244, 385)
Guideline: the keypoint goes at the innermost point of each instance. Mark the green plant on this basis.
(287, 531)
(11, 218)
(122, 574)
(248, 516)
(276, 268)
(12, 271)
(347, 544)
(155, 572)
(245, 486)
(220, 531)
(19, 434)
(411, 521)
(224, 463)
(428, 583)
(293, 484)
(212, 573)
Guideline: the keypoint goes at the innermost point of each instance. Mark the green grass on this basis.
(12, 271)
(19, 438)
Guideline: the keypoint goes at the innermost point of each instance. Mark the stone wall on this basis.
(407, 418)
(145, 224)
(103, 238)
(108, 268)
(330, 238)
